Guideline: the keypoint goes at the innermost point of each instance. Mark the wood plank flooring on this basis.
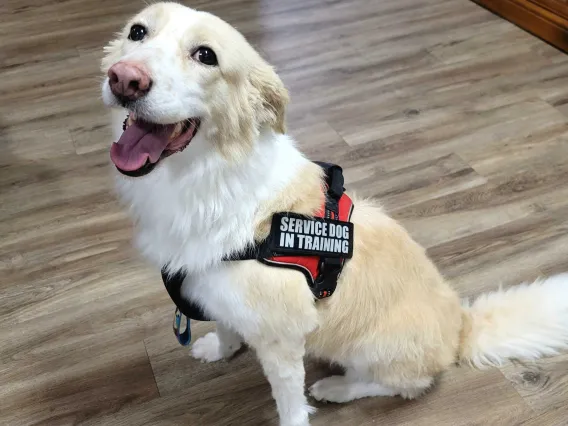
(455, 119)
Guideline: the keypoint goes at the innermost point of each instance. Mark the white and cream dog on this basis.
(205, 162)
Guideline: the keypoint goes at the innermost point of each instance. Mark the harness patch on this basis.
(297, 235)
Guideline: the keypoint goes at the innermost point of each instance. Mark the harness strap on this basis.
(330, 268)
(173, 283)
(334, 181)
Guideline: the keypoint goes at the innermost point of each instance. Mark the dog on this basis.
(203, 164)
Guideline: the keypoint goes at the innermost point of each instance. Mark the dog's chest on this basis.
(190, 230)
(223, 297)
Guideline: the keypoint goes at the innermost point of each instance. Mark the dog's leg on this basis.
(218, 345)
(352, 386)
(283, 364)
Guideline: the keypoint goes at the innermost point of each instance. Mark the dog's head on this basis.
(183, 75)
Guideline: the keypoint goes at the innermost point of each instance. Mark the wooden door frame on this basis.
(546, 19)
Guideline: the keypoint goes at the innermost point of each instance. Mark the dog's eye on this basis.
(205, 56)
(137, 32)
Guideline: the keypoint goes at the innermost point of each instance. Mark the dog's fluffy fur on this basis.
(393, 323)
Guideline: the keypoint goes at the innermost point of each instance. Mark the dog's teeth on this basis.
(177, 131)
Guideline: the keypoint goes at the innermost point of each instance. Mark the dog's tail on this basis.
(527, 322)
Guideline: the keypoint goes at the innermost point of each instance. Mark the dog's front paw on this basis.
(330, 389)
(305, 422)
(301, 419)
(207, 348)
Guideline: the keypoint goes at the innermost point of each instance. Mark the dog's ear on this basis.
(243, 106)
(270, 108)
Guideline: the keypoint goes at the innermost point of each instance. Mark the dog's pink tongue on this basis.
(140, 142)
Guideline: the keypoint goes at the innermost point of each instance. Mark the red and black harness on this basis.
(317, 246)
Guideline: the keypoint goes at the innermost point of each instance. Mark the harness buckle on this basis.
(326, 281)
(334, 179)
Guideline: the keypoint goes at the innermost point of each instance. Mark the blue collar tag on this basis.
(183, 335)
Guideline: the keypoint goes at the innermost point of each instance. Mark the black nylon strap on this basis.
(173, 283)
(258, 251)
(334, 181)
(330, 268)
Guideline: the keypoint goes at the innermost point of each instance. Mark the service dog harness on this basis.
(317, 246)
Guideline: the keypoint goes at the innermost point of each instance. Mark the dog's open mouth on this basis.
(143, 144)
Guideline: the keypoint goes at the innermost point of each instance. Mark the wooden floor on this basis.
(456, 119)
